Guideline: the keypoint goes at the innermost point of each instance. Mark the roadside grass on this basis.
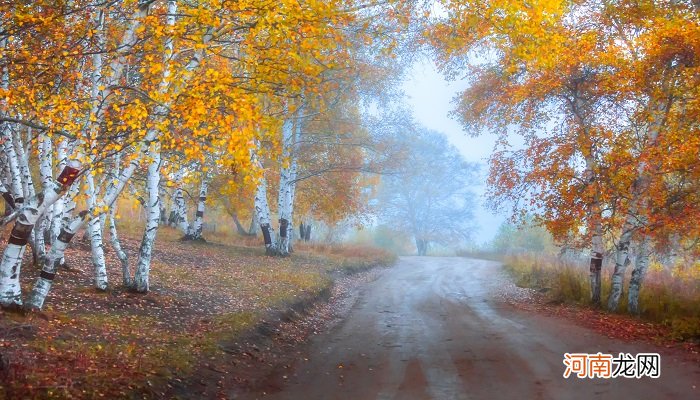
(347, 257)
(118, 344)
(668, 297)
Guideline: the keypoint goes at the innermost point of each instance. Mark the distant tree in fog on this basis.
(429, 194)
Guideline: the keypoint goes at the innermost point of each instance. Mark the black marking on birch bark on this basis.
(47, 275)
(202, 198)
(65, 236)
(266, 234)
(596, 262)
(20, 233)
(8, 198)
(284, 225)
(199, 214)
(19, 200)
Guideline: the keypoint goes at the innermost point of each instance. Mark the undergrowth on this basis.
(667, 296)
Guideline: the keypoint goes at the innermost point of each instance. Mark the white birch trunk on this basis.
(621, 262)
(640, 269)
(114, 237)
(51, 264)
(198, 223)
(143, 266)
(293, 171)
(46, 175)
(23, 159)
(6, 136)
(262, 210)
(37, 243)
(117, 246)
(284, 195)
(638, 203)
(10, 266)
(13, 165)
(59, 206)
(181, 211)
(4, 168)
(96, 242)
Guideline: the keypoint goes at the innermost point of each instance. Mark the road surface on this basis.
(433, 328)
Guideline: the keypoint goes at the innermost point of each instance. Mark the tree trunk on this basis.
(253, 228)
(95, 234)
(46, 174)
(10, 268)
(51, 263)
(180, 205)
(621, 263)
(10, 291)
(239, 228)
(72, 226)
(117, 246)
(262, 210)
(422, 246)
(597, 251)
(284, 209)
(6, 132)
(285, 196)
(198, 223)
(640, 268)
(143, 266)
(59, 206)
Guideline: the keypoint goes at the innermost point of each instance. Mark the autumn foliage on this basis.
(603, 100)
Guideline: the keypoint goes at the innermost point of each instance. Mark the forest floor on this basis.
(215, 320)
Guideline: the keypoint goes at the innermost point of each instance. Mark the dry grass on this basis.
(670, 297)
(348, 257)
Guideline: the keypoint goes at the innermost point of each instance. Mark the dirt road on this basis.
(434, 328)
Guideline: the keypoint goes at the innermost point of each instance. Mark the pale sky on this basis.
(430, 97)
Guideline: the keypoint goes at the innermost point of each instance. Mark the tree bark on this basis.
(51, 264)
(198, 223)
(597, 252)
(180, 205)
(253, 228)
(239, 228)
(285, 196)
(621, 263)
(10, 267)
(10, 290)
(143, 266)
(640, 268)
(117, 246)
(262, 211)
(95, 234)
(59, 206)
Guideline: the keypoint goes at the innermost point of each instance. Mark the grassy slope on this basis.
(117, 343)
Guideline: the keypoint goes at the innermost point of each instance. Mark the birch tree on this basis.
(592, 150)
